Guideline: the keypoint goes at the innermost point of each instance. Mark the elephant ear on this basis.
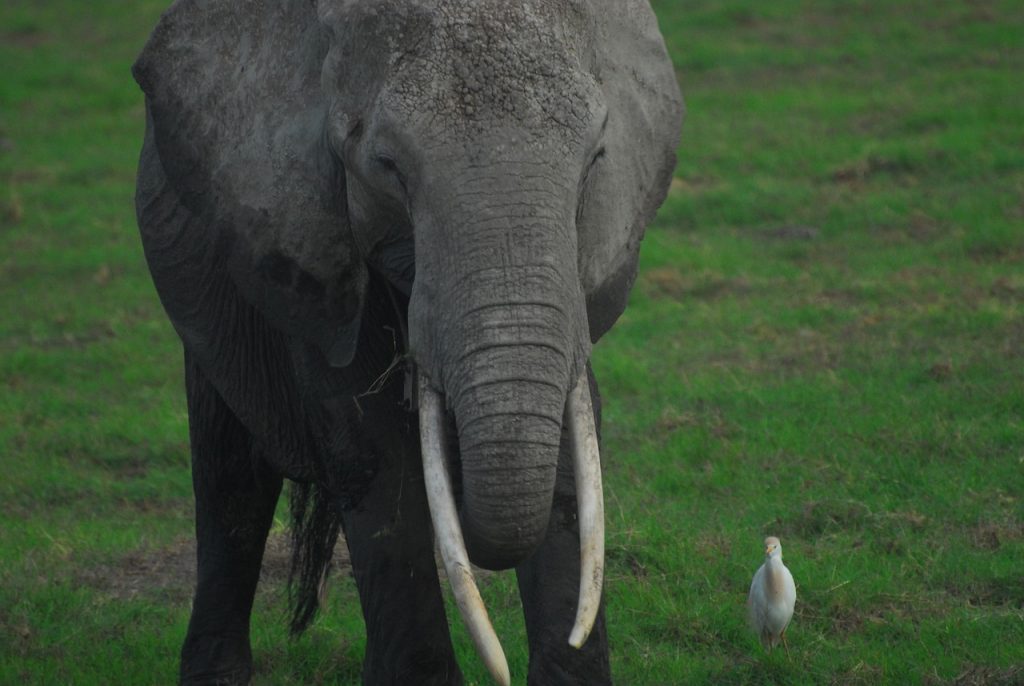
(233, 90)
(629, 181)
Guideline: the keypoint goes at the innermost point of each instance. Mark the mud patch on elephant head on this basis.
(170, 572)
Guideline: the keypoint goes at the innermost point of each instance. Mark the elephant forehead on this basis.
(476, 61)
(525, 37)
(517, 58)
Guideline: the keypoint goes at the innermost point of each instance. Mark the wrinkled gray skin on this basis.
(326, 186)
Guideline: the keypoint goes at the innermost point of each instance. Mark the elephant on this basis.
(388, 234)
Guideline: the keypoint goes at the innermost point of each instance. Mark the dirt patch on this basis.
(713, 546)
(167, 572)
(685, 631)
(923, 228)
(122, 468)
(817, 517)
(854, 610)
(702, 415)
(940, 371)
(630, 562)
(665, 282)
(992, 535)
(170, 572)
(67, 340)
(847, 620)
(12, 211)
(859, 171)
(985, 252)
(27, 37)
(982, 675)
(1001, 591)
(669, 282)
(691, 186)
(861, 673)
(915, 521)
(1013, 344)
(1007, 289)
(790, 232)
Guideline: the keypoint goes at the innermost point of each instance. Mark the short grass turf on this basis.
(826, 343)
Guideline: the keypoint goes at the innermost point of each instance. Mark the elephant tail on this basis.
(315, 527)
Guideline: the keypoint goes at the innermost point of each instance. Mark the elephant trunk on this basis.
(509, 433)
(514, 356)
(498, 321)
(579, 414)
(498, 326)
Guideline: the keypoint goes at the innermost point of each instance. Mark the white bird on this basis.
(772, 597)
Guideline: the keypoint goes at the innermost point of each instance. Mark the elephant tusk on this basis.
(449, 534)
(590, 504)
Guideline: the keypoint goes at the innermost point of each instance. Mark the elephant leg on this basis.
(235, 496)
(549, 588)
(391, 546)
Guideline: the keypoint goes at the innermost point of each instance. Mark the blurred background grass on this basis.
(825, 343)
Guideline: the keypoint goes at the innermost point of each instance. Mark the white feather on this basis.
(772, 597)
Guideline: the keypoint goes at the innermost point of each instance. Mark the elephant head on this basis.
(497, 162)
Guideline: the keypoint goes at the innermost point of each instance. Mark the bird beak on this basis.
(769, 549)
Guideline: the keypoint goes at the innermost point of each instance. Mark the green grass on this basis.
(826, 343)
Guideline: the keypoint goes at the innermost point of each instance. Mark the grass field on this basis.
(826, 343)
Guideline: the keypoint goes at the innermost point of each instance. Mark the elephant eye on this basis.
(597, 156)
(388, 165)
(581, 205)
(386, 162)
(343, 136)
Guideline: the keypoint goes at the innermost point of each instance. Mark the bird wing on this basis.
(787, 595)
(780, 597)
(757, 601)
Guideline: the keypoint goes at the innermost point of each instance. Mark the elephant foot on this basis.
(422, 665)
(237, 678)
(566, 668)
(216, 661)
